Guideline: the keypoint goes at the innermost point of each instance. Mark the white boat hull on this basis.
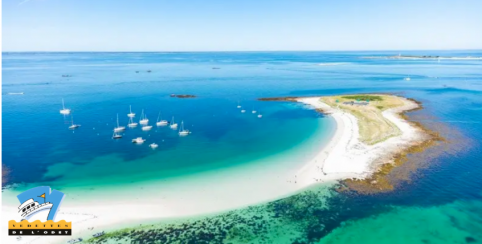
(65, 111)
(138, 141)
(145, 128)
(73, 127)
(132, 125)
(144, 122)
(118, 129)
(161, 123)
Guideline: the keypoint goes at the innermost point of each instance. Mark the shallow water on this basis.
(440, 204)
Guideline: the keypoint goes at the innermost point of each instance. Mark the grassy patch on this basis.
(364, 97)
(374, 128)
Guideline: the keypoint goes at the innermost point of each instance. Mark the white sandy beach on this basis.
(344, 157)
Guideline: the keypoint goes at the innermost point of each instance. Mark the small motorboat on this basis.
(153, 145)
(116, 136)
(75, 240)
(99, 234)
(138, 140)
(173, 125)
(260, 115)
(407, 78)
(131, 114)
(146, 127)
(64, 110)
(242, 111)
(161, 122)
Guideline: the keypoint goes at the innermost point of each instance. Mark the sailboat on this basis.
(116, 136)
(73, 126)
(119, 128)
(182, 131)
(146, 127)
(242, 111)
(161, 122)
(260, 115)
(131, 114)
(173, 124)
(239, 106)
(143, 120)
(64, 110)
(132, 124)
(254, 111)
(153, 145)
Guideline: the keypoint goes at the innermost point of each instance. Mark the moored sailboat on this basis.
(132, 124)
(131, 114)
(73, 126)
(143, 120)
(173, 125)
(64, 110)
(182, 131)
(161, 122)
(119, 128)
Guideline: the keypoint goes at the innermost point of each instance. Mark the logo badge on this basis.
(37, 211)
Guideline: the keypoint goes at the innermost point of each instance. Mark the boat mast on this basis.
(117, 120)
(63, 105)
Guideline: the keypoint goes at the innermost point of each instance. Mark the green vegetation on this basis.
(373, 127)
(364, 97)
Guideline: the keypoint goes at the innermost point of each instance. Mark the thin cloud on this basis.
(23, 2)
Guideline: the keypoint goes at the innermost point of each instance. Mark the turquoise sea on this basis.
(440, 203)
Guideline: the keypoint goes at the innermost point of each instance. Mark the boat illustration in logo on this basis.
(37, 211)
(39, 203)
(30, 207)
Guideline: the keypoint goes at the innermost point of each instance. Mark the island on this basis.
(423, 57)
(373, 136)
(183, 96)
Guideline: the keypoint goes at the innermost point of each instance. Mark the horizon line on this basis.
(220, 51)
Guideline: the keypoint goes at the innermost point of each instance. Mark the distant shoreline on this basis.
(422, 57)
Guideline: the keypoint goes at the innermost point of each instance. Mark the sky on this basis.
(240, 25)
